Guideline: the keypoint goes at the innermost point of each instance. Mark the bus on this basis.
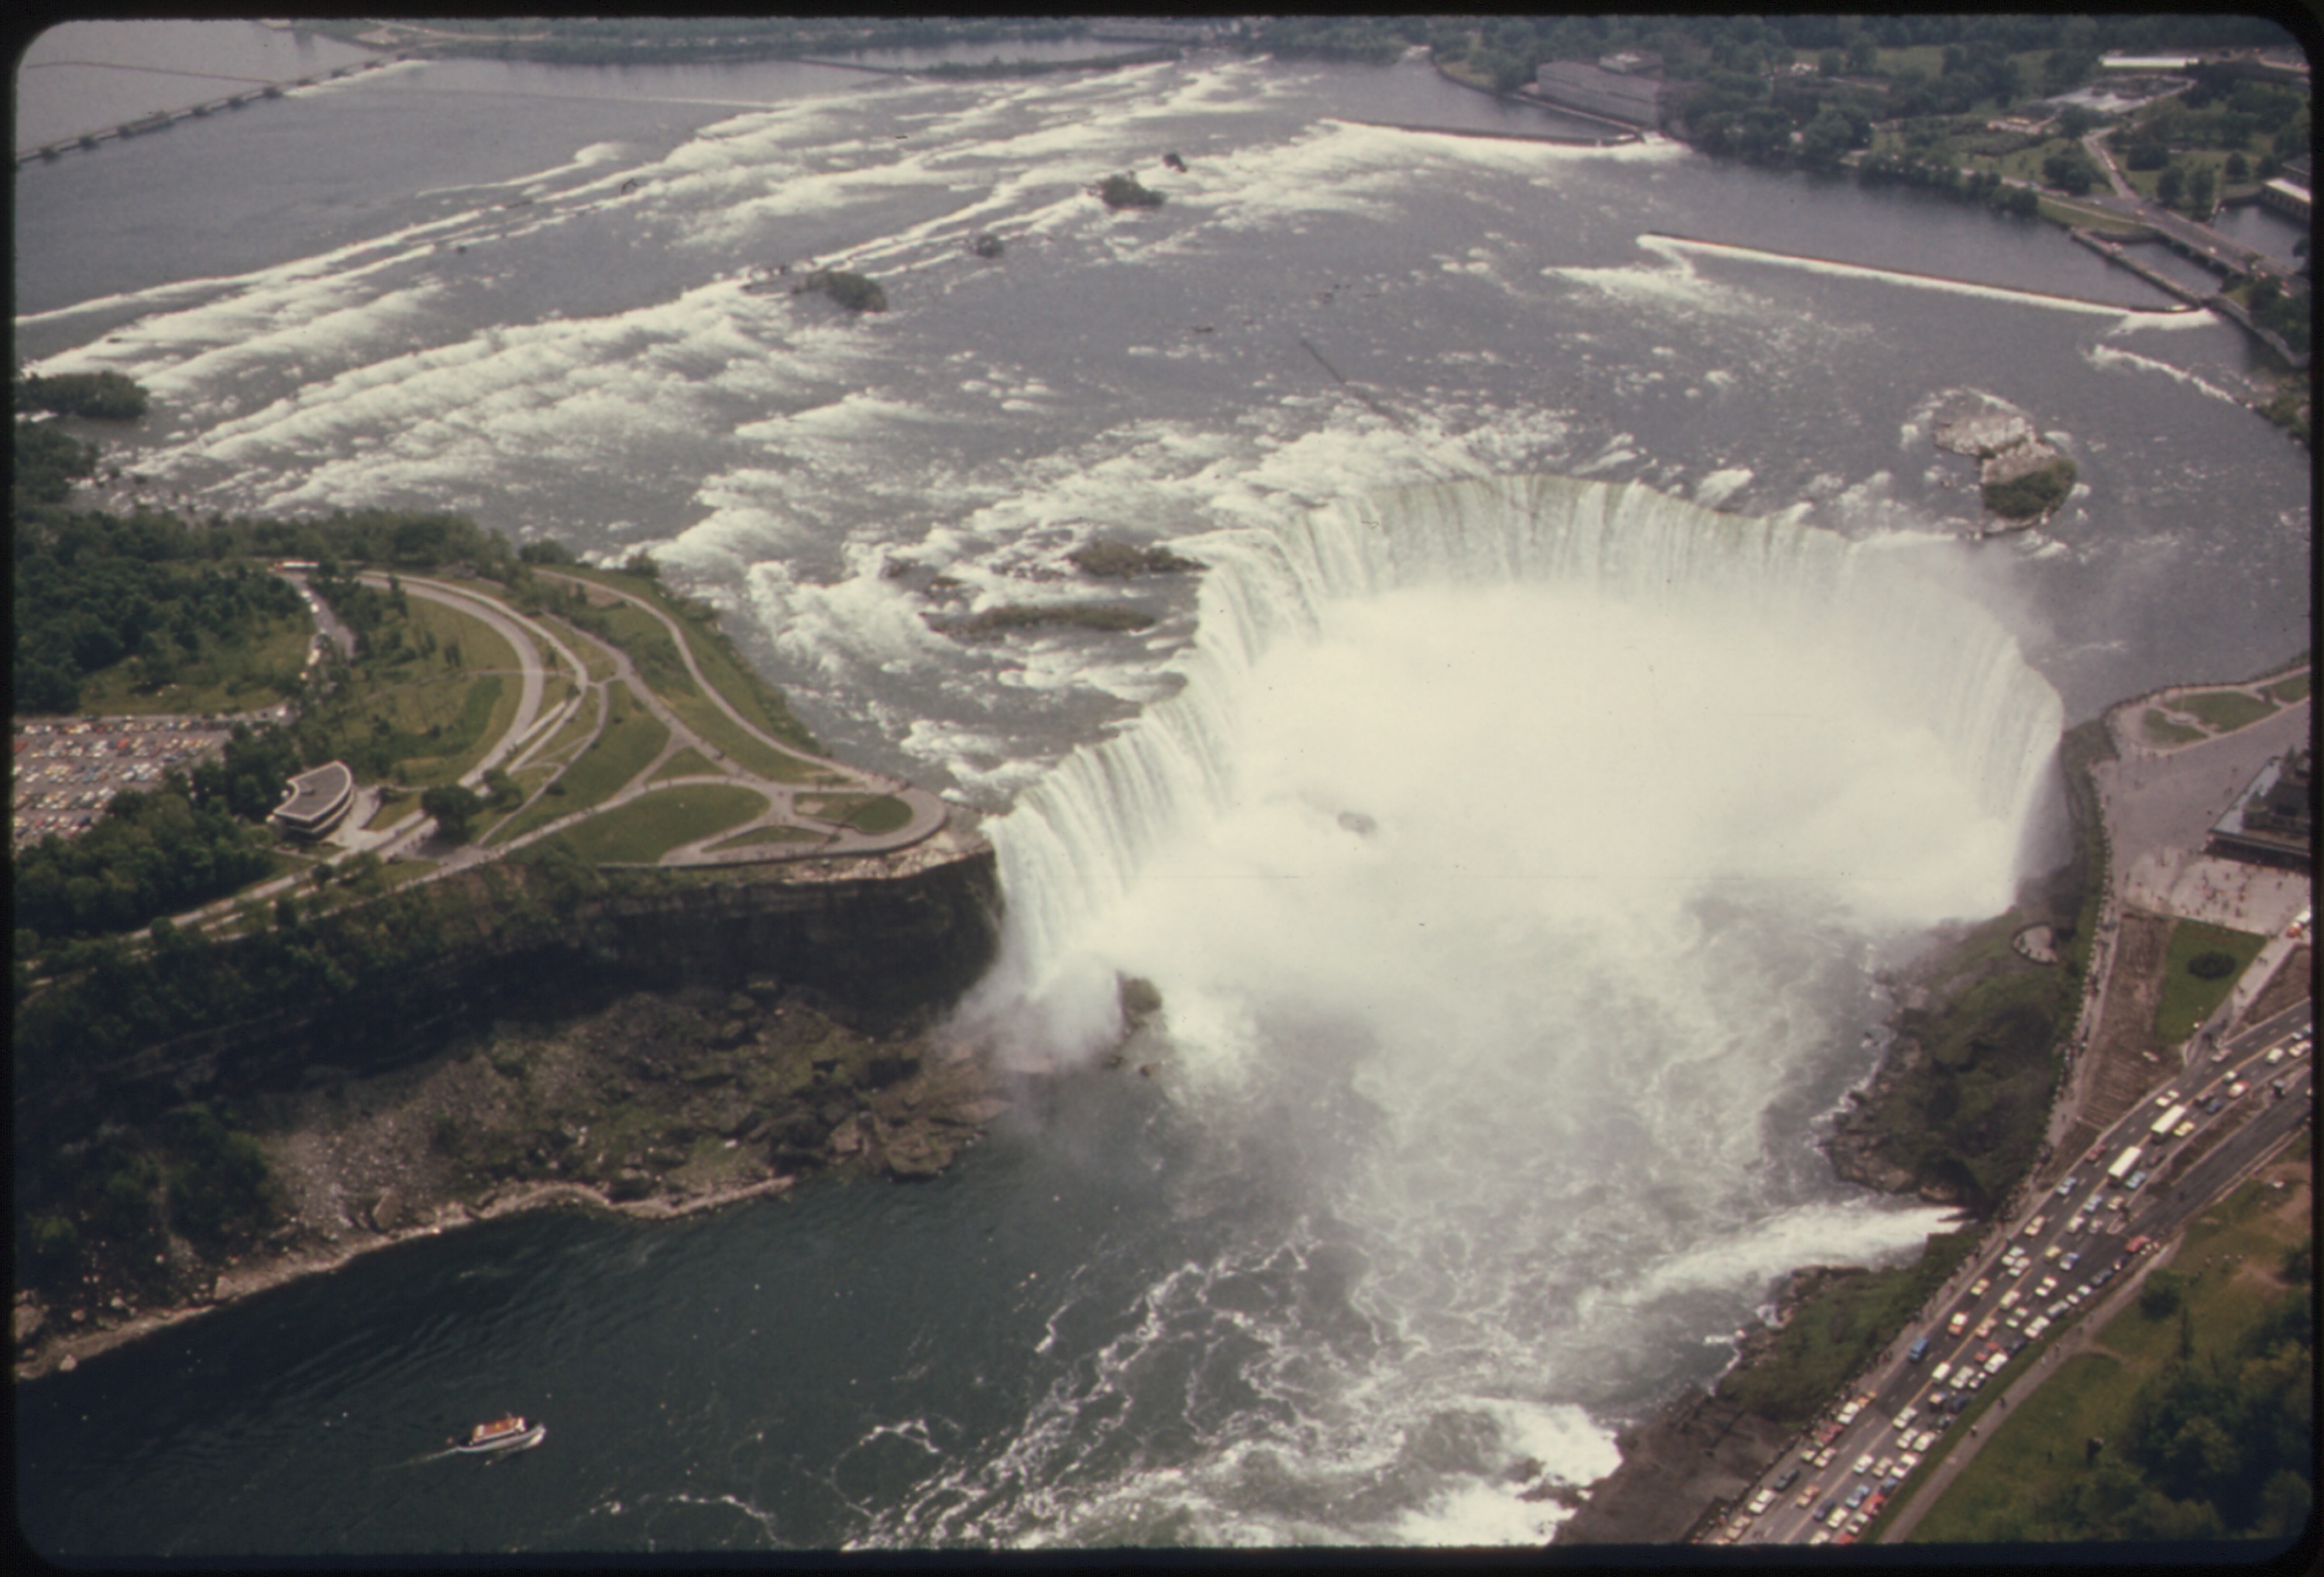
(2168, 1120)
(2123, 1165)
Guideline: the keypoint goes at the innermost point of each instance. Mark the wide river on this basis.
(1511, 856)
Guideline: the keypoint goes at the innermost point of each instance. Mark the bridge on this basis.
(162, 120)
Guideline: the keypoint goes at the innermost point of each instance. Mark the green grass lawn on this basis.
(866, 812)
(2187, 999)
(2090, 1395)
(2161, 730)
(2224, 710)
(573, 731)
(758, 701)
(631, 738)
(2289, 690)
(686, 764)
(650, 826)
(2038, 1445)
(227, 677)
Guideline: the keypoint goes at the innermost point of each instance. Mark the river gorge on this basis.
(1587, 678)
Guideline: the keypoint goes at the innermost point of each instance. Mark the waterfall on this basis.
(1074, 846)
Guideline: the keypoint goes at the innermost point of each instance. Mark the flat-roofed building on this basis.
(2287, 196)
(317, 801)
(2272, 823)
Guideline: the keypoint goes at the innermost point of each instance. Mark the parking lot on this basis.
(69, 769)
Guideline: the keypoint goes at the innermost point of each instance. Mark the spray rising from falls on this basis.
(1801, 695)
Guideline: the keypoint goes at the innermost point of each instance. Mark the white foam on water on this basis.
(2106, 356)
(1721, 485)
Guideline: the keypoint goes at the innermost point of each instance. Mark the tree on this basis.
(1863, 52)
(2077, 121)
(454, 807)
(642, 563)
(1824, 139)
(2202, 189)
(2238, 169)
(104, 396)
(2069, 170)
(2171, 185)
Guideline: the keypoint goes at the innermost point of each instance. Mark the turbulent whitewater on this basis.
(1512, 864)
(1933, 702)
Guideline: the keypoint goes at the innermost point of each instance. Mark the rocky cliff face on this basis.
(881, 952)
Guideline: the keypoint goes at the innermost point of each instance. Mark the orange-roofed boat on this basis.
(510, 1434)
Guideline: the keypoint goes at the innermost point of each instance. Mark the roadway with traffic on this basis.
(2049, 1267)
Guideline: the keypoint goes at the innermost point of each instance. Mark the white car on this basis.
(1923, 1441)
(1760, 1502)
(1863, 1463)
(1907, 1461)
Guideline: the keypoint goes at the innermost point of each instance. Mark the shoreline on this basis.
(654, 1106)
(65, 1353)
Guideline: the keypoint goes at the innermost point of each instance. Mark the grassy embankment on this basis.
(2038, 1450)
(758, 701)
(1834, 1333)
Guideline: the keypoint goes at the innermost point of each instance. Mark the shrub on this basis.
(2036, 492)
(853, 291)
(1122, 191)
(2211, 965)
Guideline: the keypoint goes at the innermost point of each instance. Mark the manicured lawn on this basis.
(2225, 710)
(865, 813)
(572, 732)
(631, 738)
(2187, 999)
(686, 764)
(650, 826)
(2161, 730)
(701, 715)
(757, 700)
(2290, 690)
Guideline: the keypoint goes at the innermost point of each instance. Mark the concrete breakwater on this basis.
(161, 120)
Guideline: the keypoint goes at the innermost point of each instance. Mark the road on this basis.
(2055, 1257)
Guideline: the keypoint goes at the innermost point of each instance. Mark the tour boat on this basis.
(512, 1434)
